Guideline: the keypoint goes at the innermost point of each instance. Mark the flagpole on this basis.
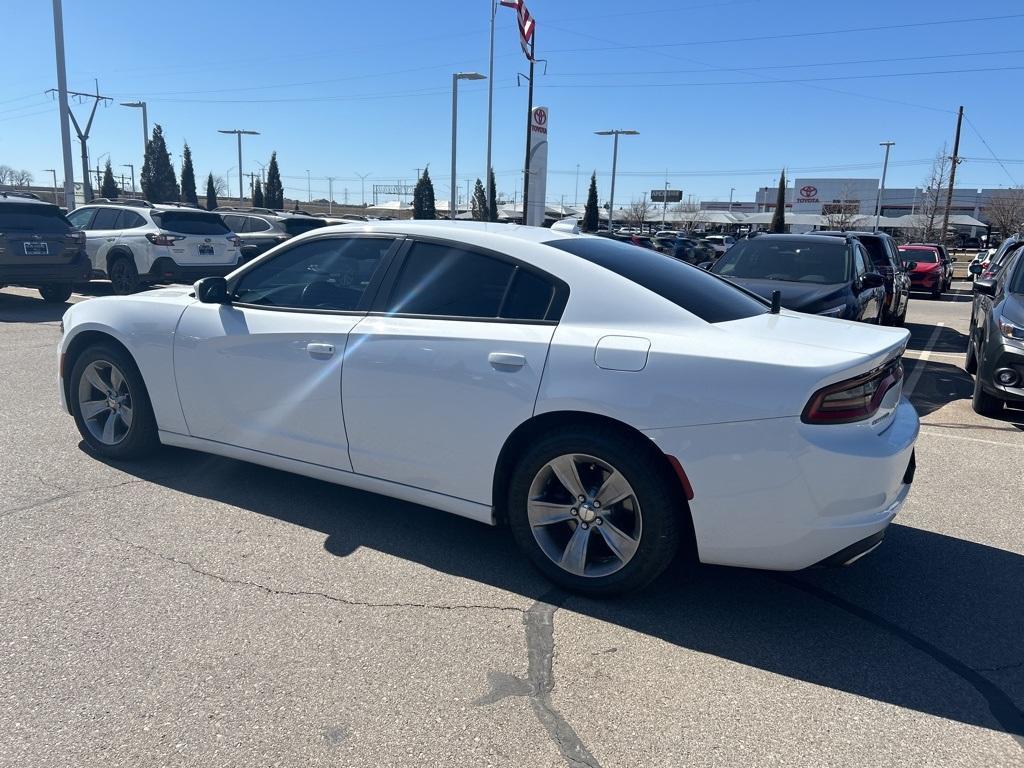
(529, 130)
(490, 112)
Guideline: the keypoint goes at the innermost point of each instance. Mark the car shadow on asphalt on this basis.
(16, 308)
(949, 340)
(939, 385)
(927, 622)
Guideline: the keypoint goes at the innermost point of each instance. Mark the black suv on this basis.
(39, 248)
(995, 350)
(885, 258)
(260, 229)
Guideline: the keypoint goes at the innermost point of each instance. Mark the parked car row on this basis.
(995, 351)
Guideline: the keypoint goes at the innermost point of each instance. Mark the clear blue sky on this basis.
(346, 87)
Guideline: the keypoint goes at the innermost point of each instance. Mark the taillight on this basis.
(78, 236)
(235, 240)
(161, 239)
(854, 399)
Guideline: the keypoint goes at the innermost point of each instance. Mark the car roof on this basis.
(6, 197)
(451, 229)
(809, 237)
(918, 247)
(852, 232)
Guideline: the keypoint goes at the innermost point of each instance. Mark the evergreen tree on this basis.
(492, 213)
(273, 196)
(423, 198)
(159, 184)
(258, 201)
(591, 222)
(188, 179)
(778, 225)
(480, 209)
(108, 188)
(211, 193)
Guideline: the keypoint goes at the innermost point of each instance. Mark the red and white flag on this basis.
(526, 25)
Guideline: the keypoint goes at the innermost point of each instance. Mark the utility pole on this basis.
(362, 190)
(62, 98)
(309, 189)
(132, 167)
(56, 200)
(576, 196)
(529, 134)
(83, 136)
(732, 190)
(490, 109)
(664, 201)
(952, 174)
(239, 133)
(330, 194)
(346, 196)
(885, 167)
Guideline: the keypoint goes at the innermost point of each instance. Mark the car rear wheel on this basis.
(124, 277)
(983, 403)
(593, 512)
(55, 294)
(110, 404)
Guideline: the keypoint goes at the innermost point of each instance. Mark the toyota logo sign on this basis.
(540, 116)
(808, 191)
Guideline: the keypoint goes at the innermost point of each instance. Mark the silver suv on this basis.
(135, 243)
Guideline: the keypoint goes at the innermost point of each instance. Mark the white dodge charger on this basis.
(611, 405)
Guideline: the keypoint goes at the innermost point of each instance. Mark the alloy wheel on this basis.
(584, 515)
(105, 402)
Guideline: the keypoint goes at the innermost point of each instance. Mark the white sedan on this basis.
(609, 404)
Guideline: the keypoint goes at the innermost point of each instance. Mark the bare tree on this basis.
(22, 178)
(1005, 211)
(220, 186)
(638, 212)
(928, 218)
(6, 174)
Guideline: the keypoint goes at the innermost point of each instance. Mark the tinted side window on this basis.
(130, 220)
(106, 218)
(859, 261)
(234, 223)
(529, 298)
(710, 298)
(81, 217)
(446, 281)
(331, 274)
(256, 224)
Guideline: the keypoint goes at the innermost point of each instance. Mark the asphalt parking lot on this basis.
(193, 610)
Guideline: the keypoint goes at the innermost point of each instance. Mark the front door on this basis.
(264, 372)
(435, 384)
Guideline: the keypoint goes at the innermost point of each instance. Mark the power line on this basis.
(1001, 164)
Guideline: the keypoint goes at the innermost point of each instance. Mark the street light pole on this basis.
(132, 167)
(309, 189)
(239, 133)
(885, 167)
(731, 191)
(330, 194)
(62, 97)
(615, 159)
(145, 122)
(456, 76)
(490, 109)
(54, 172)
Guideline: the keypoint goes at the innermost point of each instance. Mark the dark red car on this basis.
(932, 272)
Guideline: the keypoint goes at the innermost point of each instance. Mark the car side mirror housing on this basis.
(212, 290)
(985, 287)
(975, 269)
(872, 280)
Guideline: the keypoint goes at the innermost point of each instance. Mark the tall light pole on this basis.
(55, 195)
(330, 194)
(239, 133)
(731, 191)
(456, 76)
(145, 122)
(576, 196)
(62, 97)
(615, 159)
(129, 165)
(885, 167)
(309, 188)
(362, 187)
(490, 109)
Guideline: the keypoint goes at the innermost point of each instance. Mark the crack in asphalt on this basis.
(67, 494)
(540, 650)
(311, 593)
(1002, 707)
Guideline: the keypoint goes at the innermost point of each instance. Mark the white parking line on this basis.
(908, 388)
(1001, 443)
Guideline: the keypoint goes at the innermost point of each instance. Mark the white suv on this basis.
(135, 243)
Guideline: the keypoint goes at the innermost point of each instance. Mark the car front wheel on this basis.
(983, 403)
(594, 512)
(110, 404)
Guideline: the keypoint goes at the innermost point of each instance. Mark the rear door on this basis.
(35, 234)
(447, 367)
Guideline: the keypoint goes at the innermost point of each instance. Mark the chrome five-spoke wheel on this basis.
(105, 402)
(584, 515)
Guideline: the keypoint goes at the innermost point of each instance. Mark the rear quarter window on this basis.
(710, 298)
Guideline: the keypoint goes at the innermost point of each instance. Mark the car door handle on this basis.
(501, 360)
(320, 351)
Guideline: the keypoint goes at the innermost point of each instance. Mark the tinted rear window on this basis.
(298, 226)
(711, 299)
(25, 217)
(790, 259)
(191, 222)
(920, 255)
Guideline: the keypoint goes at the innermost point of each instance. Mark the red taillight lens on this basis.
(235, 240)
(853, 399)
(161, 239)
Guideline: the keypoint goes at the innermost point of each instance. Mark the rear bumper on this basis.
(35, 275)
(925, 282)
(782, 495)
(166, 270)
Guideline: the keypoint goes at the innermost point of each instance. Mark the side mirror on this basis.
(909, 265)
(872, 280)
(212, 290)
(975, 269)
(985, 287)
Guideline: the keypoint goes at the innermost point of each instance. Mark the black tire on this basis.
(983, 403)
(124, 277)
(660, 501)
(55, 294)
(901, 318)
(141, 437)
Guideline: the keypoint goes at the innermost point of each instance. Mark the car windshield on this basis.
(298, 226)
(920, 255)
(191, 222)
(693, 289)
(799, 261)
(22, 217)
